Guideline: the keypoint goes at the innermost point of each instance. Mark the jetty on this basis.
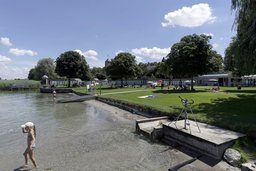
(77, 99)
(57, 90)
(210, 140)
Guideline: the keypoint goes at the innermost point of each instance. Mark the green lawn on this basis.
(230, 108)
(106, 89)
(233, 110)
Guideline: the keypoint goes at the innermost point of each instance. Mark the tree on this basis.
(230, 62)
(166, 69)
(99, 73)
(123, 66)
(215, 63)
(245, 46)
(150, 69)
(44, 66)
(192, 56)
(72, 65)
(31, 74)
(233, 60)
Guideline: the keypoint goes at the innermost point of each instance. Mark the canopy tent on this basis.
(249, 77)
(189, 81)
(212, 80)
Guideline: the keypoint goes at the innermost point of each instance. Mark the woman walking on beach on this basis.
(30, 129)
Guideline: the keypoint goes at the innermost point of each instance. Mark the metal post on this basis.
(100, 87)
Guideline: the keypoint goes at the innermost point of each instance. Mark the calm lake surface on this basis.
(79, 136)
(71, 136)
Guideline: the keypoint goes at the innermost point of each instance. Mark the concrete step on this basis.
(151, 127)
(76, 99)
(203, 138)
(211, 141)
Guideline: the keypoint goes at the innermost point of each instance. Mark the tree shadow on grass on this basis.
(177, 91)
(109, 88)
(240, 91)
(237, 114)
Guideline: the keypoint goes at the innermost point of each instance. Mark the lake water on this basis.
(79, 136)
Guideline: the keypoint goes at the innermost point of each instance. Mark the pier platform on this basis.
(209, 140)
(76, 99)
(57, 90)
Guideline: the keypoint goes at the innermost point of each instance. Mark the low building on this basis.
(249, 80)
(225, 79)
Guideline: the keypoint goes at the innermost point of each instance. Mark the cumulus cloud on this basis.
(90, 54)
(208, 34)
(4, 59)
(215, 46)
(139, 59)
(120, 51)
(5, 41)
(22, 52)
(194, 16)
(98, 63)
(153, 53)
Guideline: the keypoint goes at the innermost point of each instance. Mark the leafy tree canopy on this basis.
(72, 65)
(193, 56)
(165, 70)
(44, 66)
(231, 60)
(244, 50)
(149, 69)
(123, 66)
(99, 73)
(216, 62)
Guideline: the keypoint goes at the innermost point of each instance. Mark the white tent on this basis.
(212, 80)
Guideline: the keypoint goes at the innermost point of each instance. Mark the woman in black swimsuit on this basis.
(30, 129)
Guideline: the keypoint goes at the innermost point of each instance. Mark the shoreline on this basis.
(202, 166)
(86, 136)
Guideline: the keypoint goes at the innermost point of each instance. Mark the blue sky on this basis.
(31, 30)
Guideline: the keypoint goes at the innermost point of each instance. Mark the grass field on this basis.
(6, 84)
(229, 108)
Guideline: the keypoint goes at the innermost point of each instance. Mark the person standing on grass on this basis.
(30, 129)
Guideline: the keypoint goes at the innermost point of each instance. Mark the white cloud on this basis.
(154, 53)
(90, 54)
(140, 59)
(208, 34)
(22, 52)
(194, 16)
(4, 59)
(221, 38)
(215, 46)
(5, 41)
(120, 51)
(98, 63)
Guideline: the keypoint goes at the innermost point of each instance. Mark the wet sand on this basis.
(102, 138)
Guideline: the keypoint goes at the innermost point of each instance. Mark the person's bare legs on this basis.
(32, 158)
(25, 154)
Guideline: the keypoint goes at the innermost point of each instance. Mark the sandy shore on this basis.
(102, 138)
